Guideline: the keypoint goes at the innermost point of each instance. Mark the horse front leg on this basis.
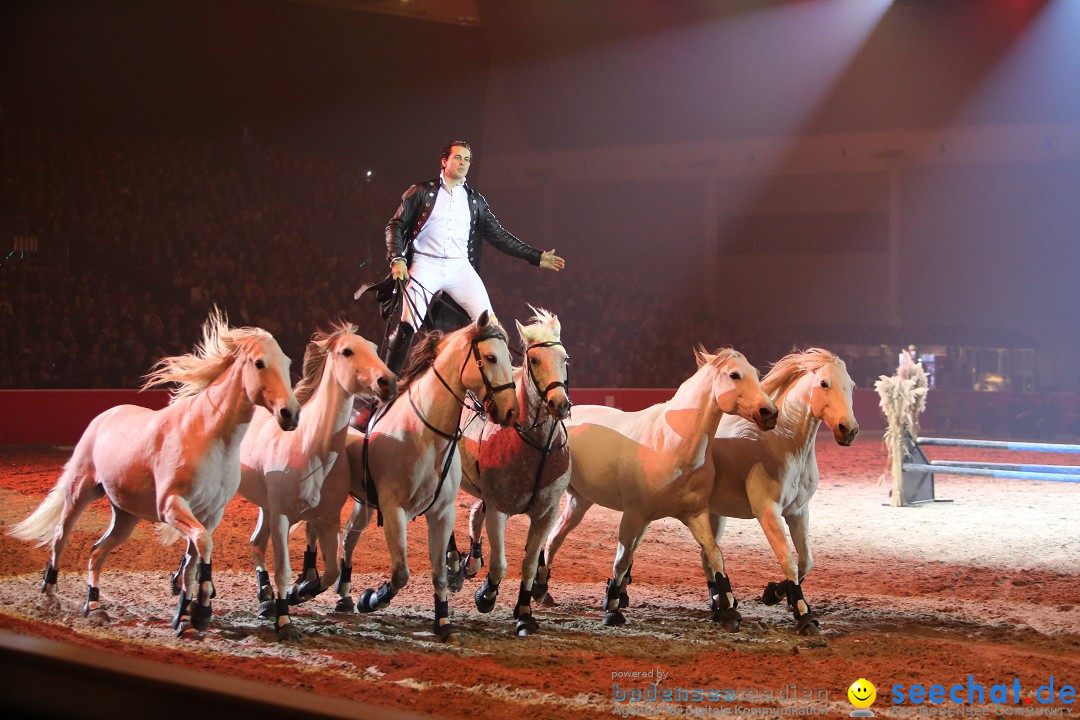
(359, 518)
(329, 541)
(308, 582)
(176, 512)
(631, 531)
(799, 527)
(279, 536)
(538, 531)
(721, 599)
(394, 527)
(769, 518)
(475, 559)
(487, 593)
(440, 530)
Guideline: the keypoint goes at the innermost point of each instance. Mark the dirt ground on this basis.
(985, 585)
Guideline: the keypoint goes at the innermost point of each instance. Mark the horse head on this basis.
(830, 399)
(356, 365)
(266, 379)
(491, 376)
(546, 362)
(736, 386)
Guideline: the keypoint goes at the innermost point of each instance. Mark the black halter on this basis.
(544, 392)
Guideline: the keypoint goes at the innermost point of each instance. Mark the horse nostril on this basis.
(510, 416)
(383, 382)
(767, 413)
(286, 414)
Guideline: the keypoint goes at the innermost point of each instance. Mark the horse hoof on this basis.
(484, 603)
(174, 583)
(97, 616)
(289, 633)
(184, 629)
(526, 626)
(809, 626)
(539, 591)
(772, 594)
(266, 609)
(728, 618)
(448, 634)
(367, 602)
(200, 616)
(345, 605)
(472, 566)
(455, 579)
(547, 601)
(624, 600)
(614, 618)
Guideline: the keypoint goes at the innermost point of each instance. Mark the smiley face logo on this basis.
(862, 693)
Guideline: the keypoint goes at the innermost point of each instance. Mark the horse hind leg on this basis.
(572, 515)
(354, 526)
(475, 559)
(309, 583)
(631, 531)
(123, 523)
(394, 529)
(264, 590)
(487, 594)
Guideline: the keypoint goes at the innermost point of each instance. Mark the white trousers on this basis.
(456, 277)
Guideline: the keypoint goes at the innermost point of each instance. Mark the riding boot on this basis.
(397, 346)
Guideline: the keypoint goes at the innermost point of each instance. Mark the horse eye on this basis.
(534, 360)
(735, 376)
(347, 352)
(259, 365)
(825, 384)
(491, 359)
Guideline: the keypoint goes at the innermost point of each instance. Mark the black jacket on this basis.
(415, 208)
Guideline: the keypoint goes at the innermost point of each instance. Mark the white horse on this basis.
(520, 470)
(655, 464)
(773, 475)
(295, 476)
(408, 465)
(179, 465)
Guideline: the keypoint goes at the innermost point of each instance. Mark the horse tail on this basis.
(41, 524)
(167, 534)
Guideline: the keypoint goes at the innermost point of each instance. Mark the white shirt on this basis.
(446, 232)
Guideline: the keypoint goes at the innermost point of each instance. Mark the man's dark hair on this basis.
(450, 146)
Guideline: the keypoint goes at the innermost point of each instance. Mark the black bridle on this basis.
(544, 392)
(454, 437)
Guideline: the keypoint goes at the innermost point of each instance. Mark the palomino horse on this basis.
(179, 465)
(295, 476)
(408, 465)
(521, 470)
(655, 463)
(773, 475)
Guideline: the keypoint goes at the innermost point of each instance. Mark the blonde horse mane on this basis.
(315, 358)
(791, 367)
(546, 320)
(718, 358)
(195, 371)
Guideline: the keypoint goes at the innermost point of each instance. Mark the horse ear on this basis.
(701, 356)
(523, 332)
(484, 320)
(556, 326)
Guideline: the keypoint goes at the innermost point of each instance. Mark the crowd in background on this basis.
(159, 229)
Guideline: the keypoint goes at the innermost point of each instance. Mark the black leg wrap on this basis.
(612, 616)
(281, 607)
(486, 595)
(372, 600)
(540, 587)
(442, 610)
(286, 630)
(310, 556)
(475, 559)
(50, 577)
(182, 611)
(200, 616)
(455, 579)
(723, 612)
(346, 574)
(92, 595)
(805, 622)
(524, 599)
(205, 575)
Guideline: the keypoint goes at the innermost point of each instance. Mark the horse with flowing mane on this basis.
(295, 476)
(655, 464)
(408, 464)
(773, 475)
(523, 469)
(178, 465)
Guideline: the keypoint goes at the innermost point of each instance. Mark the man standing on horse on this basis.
(433, 243)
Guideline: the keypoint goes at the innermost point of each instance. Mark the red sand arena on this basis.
(983, 586)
